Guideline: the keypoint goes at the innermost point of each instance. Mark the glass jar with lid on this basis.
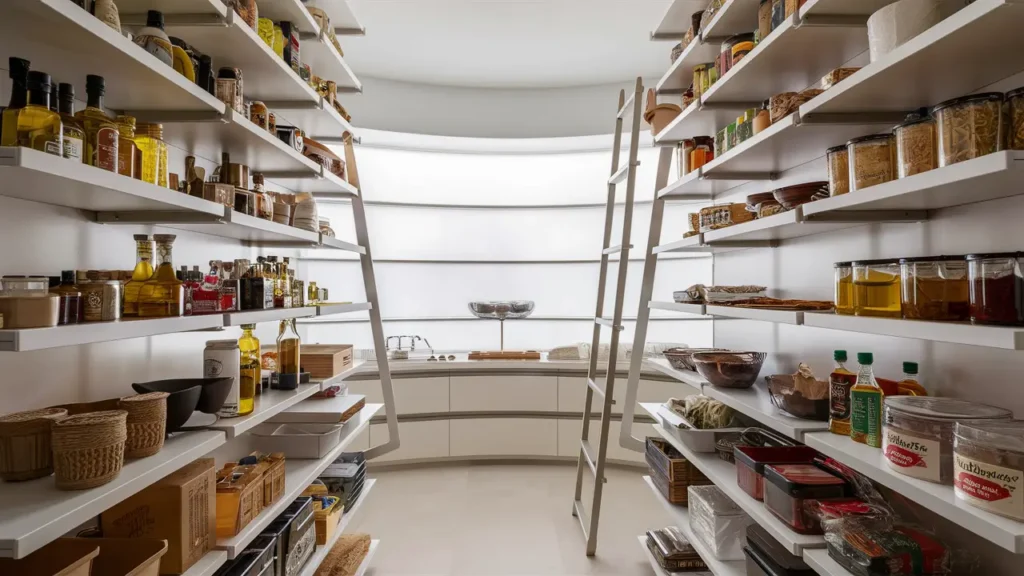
(872, 160)
(838, 170)
(876, 288)
(153, 152)
(934, 288)
(916, 149)
(969, 127)
(844, 287)
(996, 288)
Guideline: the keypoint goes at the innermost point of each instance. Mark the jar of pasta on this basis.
(838, 170)
(872, 160)
(1015, 134)
(969, 127)
(916, 148)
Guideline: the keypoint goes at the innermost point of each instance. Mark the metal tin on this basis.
(222, 359)
(92, 301)
(259, 115)
(111, 306)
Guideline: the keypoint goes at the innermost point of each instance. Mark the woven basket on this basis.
(25, 444)
(88, 449)
(147, 423)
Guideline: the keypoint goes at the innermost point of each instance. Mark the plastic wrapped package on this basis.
(718, 522)
(873, 550)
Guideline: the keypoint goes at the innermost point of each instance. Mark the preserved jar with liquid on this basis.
(844, 287)
(163, 295)
(250, 371)
(153, 151)
(143, 271)
(126, 147)
(996, 288)
(934, 288)
(288, 354)
(876, 288)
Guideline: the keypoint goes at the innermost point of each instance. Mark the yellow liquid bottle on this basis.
(153, 151)
(39, 127)
(840, 381)
(288, 354)
(74, 133)
(126, 147)
(910, 385)
(163, 295)
(101, 133)
(19, 98)
(143, 271)
(249, 373)
(866, 400)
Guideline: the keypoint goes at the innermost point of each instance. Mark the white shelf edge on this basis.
(696, 309)
(362, 570)
(281, 401)
(241, 317)
(331, 309)
(339, 377)
(208, 564)
(321, 551)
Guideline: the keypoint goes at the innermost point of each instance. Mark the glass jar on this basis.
(838, 170)
(934, 288)
(288, 354)
(143, 271)
(876, 288)
(702, 78)
(153, 151)
(996, 288)
(969, 127)
(250, 372)
(163, 295)
(702, 152)
(844, 287)
(264, 202)
(23, 286)
(70, 303)
(1015, 122)
(872, 160)
(916, 149)
(683, 162)
(127, 150)
(778, 13)
(764, 19)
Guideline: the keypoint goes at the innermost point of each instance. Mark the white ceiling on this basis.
(508, 43)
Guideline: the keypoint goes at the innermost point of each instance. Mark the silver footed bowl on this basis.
(506, 310)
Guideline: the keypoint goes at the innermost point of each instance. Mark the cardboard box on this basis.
(181, 509)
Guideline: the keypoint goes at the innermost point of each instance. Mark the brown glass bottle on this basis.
(126, 148)
(162, 295)
(70, 295)
(74, 133)
(39, 127)
(840, 382)
(101, 133)
(19, 98)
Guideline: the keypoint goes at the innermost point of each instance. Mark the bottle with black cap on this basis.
(101, 133)
(154, 39)
(74, 133)
(18, 72)
(39, 127)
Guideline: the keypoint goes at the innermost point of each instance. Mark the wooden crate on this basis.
(273, 479)
(325, 360)
(239, 497)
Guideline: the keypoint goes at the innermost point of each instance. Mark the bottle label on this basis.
(990, 487)
(224, 363)
(913, 456)
(839, 397)
(52, 147)
(73, 148)
(104, 153)
(866, 417)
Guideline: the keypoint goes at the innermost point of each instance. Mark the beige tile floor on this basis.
(507, 520)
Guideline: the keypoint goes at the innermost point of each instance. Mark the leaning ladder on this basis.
(589, 458)
(370, 285)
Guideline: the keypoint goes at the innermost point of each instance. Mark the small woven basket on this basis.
(147, 423)
(25, 444)
(88, 449)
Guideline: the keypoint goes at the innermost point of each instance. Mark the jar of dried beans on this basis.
(969, 127)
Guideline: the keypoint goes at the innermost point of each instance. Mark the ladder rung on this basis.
(597, 389)
(619, 175)
(581, 514)
(626, 106)
(616, 249)
(585, 451)
(609, 323)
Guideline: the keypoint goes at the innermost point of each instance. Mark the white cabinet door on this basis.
(412, 395)
(505, 393)
(504, 437)
(570, 432)
(419, 440)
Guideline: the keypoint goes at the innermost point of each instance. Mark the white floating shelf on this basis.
(823, 564)
(329, 309)
(685, 376)
(274, 315)
(35, 176)
(208, 564)
(679, 76)
(299, 474)
(723, 475)
(342, 17)
(681, 519)
(290, 11)
(793, 317)
(692, 244)
(234, 225)
(842, 7)
(36, 513)
(266, 77)
(268, 405)
(676, 20)
(734, 17)
(321, 552)
(92, 332)
(699, 120)
(68, 43)
(1003, 532)
(792, 58)
(697, 309)
(326, 62)
(320, 121)
(1007, 338)
(906, 78)
(693, 187)
(987, 178)
(328, 242)
(364, 568)
(172, 7)
(338, 378)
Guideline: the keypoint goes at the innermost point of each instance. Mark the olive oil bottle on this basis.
(250, 370)
(101, 133)
(74, 133)
(866, 398)
(39, 127)
(19, 68)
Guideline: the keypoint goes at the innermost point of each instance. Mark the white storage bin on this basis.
(718, 522)
(301, 441)
(694, 438)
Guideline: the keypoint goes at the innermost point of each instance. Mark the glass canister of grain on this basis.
(844, 287)
(876, 288)
(1015, 123)
(934, 288)
(969, 127)
(916, 148)
(838, 170)
(996, 288)
(872, 160)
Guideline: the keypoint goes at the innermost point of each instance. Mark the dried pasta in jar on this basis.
(872, 160)
(916, 149)
(969, 127)
(838, 170)
(1015, 134)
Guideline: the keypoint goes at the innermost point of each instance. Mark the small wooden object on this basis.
(273, 479)
(128, 556)
(327, 519)
(505, 355)
(325, 360)
(672, 473)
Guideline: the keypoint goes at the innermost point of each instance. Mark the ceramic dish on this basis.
(729, 369)
(792, 196)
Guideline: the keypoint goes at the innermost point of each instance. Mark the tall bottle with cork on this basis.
(866, 398)
(162, 295)
(840, 381)
(143, 271)
(288, 355)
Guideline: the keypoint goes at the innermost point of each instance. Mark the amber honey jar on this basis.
(844, 287)
(876, 288)
(935, 288)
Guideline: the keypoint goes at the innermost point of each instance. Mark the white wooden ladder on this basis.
(591, 459)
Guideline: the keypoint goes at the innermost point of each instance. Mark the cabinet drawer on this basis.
(570, 432)
(419, 440)
(504, 437)
(515, 393)
(412, 395)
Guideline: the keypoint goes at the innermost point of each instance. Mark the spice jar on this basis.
(264, 202)
(844, 287)
(92, 301)
(1015, 111)
(702, 152)
(153, 151)
(917, 438)
(916, 149)
(988, 463)
(876, 288)
(872, 160)
(229, 88)
(935, 288)
(838, 170)
(743, 45)
(259, 115)
(969, 127)
(996, 288)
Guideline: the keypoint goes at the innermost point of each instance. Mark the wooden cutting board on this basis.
(505, 355)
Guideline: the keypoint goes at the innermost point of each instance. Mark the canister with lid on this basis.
(872, 160)
(876, 288)
(988, 464)
(996, 288)
(969, 127)
(935, 288)
(838, 170)
(917, 436)
(222, 359)
(844, 287)
(1015, 122)
(916, 148)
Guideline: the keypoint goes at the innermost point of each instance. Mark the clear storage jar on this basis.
(872, 160)
(996, 288)
(988, 462)
(838, 170)
(876, 288)
(844, 287)
(1015, 122)
(916, 148)
(935, 288)
(969, 127)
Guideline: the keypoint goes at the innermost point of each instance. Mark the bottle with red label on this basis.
(101, 132)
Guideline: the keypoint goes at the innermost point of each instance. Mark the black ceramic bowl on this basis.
(184, 396)
(214, 391)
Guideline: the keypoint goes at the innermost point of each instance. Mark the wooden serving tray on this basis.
(505, 355)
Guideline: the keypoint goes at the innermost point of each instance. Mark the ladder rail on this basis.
(376, 323)
(643, 315)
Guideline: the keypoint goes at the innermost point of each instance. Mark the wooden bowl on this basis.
(792, 196)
